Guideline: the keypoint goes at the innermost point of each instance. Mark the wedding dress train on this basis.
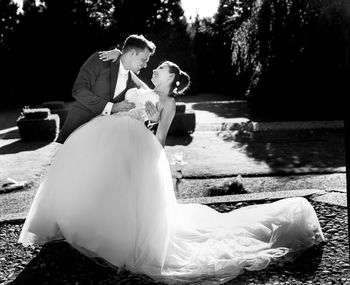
(109, 193)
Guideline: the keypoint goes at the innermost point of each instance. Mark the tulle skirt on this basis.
(109, 193)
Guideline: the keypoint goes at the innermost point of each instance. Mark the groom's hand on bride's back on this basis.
(123, 106)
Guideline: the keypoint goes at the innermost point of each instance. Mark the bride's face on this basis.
(162, 76)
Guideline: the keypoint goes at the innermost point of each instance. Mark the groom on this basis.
(101, 85)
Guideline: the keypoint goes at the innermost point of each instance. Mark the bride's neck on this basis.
(162, 91)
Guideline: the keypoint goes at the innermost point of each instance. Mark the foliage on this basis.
(293, 53)
(52, 40)
(8, 22)
(8, 25)
(210, 57)
(212, 47)
(289, 53)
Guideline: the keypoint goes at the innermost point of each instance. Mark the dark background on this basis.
(288, 58)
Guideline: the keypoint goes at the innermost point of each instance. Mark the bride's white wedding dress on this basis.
(109, 193)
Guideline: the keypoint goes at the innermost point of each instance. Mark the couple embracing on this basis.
(109, 191)
(101, 87)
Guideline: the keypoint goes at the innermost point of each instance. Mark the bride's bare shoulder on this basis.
(167, 102)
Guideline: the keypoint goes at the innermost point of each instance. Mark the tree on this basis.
(142, 17)
(206, 56)
(8, 24)
(291, 51)
(212, 48)
(53, 39)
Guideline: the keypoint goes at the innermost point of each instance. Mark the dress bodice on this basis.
(139, 97)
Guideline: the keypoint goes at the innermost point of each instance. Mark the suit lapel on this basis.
(114, 76)
(129, 84)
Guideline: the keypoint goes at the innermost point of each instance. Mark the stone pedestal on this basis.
(38, 125)
(184, 122)
(57, 108)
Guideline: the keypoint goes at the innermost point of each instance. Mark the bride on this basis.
(109, 193)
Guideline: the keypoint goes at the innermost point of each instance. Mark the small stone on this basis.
(42, 265)
(330, 231)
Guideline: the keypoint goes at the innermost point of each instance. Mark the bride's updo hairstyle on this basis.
(181, 80)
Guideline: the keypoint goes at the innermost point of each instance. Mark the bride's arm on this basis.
(138, 81)
(110, 55)
(166, 117)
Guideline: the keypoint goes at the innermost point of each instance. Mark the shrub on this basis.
(53, 105)
(228, 186)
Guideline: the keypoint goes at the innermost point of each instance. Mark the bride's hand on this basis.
(152, 111)
(110, 55)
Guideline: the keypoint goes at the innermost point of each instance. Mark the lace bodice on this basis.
(139, 97)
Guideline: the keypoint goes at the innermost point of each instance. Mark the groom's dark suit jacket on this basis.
(92, 90)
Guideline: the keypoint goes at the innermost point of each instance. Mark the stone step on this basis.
(208, 187)
(254, 197)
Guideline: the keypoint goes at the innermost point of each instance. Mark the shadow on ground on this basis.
(292, 150)
(178, 140)
(8, 117)
(204, 97)
(59, 263)
(14, 134)
(19, 146)
(226, 110)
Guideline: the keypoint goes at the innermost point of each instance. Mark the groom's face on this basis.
(139, 59)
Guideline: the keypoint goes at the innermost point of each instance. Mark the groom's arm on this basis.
(87, 77)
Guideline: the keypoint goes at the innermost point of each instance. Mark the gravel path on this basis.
(59, 263)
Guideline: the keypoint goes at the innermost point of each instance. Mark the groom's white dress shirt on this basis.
(121, 85)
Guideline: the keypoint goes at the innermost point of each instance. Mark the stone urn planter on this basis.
(58, 108)
(184, 122)
(38, 124)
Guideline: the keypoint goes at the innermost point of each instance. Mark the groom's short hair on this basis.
(138, 42)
